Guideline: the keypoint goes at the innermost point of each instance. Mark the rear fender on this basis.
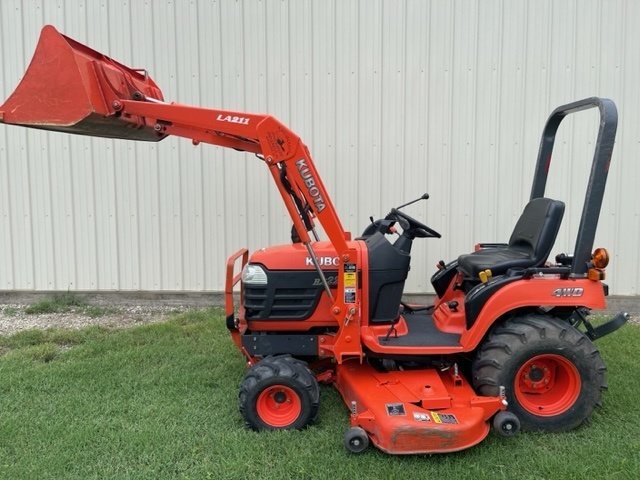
(535, 292)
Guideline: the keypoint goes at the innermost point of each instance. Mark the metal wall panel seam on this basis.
(8, 231)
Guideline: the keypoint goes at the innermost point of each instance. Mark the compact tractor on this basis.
(506, 341)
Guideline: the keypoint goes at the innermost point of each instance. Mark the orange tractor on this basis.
(507, 340)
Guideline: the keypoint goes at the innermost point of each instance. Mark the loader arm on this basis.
(288, 159)
(71, 88)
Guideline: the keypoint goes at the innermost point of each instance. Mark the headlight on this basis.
(254, 275)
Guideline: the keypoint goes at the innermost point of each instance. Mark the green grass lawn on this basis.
(160, 401)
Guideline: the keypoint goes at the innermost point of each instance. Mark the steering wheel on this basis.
(412, 226)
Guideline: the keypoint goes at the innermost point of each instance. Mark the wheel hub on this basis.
(547, 385)
(279, 406)
(279, 397)
(538, 375)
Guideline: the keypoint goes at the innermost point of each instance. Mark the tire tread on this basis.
(496, 358)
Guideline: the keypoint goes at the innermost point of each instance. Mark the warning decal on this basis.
(444, 417)
(349, 279)
(349, 295)
(395, 409)
(350, 275)
(421, 417)
(350, 282)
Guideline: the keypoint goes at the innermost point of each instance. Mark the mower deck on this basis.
(415, 411)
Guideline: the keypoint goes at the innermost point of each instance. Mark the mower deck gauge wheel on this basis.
(506, 424)
(356, 440)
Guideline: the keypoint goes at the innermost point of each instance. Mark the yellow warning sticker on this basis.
(444, 418)
(349, 279)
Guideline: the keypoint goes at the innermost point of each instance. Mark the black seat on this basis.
(529, 245)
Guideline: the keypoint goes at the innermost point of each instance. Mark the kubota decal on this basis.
(310, 182)
(568, 292)
(324, 261)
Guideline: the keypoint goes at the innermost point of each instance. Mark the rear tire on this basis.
(279, 393)
(552, 373)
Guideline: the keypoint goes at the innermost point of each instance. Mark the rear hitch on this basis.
(601, 330)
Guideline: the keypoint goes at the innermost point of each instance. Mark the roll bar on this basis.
(597, 178)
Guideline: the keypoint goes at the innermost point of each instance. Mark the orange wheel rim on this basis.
(278, 406)
(547, 385)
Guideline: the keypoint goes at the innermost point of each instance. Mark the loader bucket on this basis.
(71, 88)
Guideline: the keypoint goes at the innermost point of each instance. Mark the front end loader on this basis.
(507, 340)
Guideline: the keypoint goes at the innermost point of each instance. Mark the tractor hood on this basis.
(296, 257)
(71, 88)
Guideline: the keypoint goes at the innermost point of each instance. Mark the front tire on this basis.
(552, 373)
(279, 393)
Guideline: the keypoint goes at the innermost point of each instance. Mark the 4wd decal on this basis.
(568, 292)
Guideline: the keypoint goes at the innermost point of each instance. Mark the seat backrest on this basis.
(537, 229)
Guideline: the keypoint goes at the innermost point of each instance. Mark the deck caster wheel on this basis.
(356, 440)
(506, 424)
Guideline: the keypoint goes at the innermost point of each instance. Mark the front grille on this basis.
(280, 304)
(288, 295)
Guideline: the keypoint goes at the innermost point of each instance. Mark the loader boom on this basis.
(71, 88)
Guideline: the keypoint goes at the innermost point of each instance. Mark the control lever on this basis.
(425, 196)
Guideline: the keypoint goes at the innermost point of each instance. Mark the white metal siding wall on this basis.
(393, 98)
